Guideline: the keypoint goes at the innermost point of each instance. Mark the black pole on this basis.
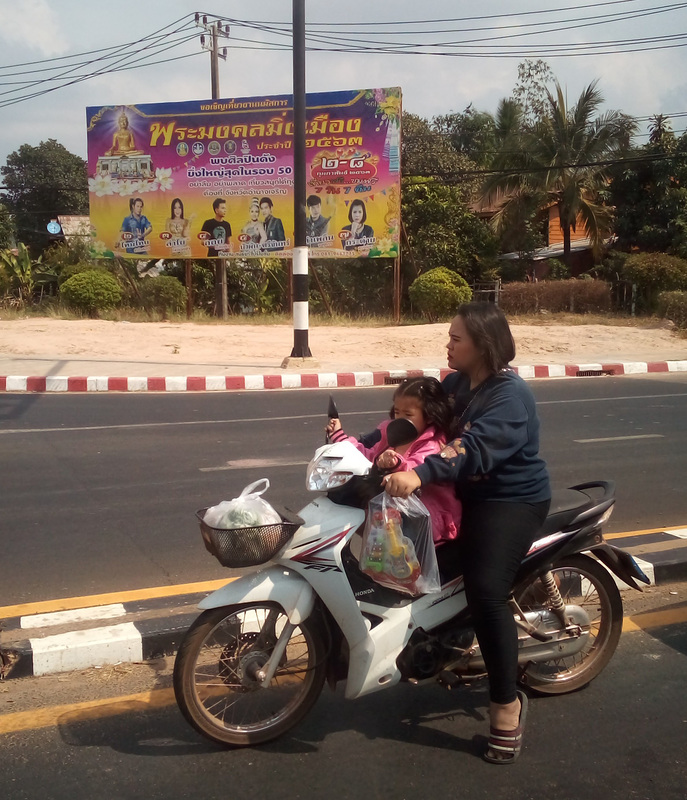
(300, 250)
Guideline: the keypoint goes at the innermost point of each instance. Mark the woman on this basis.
(361, 235)
(254, 227)
(176, 224)
(504, 487)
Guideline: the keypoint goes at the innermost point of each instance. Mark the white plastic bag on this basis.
(248, 510)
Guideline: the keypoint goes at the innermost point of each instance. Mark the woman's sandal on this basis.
(503, 747)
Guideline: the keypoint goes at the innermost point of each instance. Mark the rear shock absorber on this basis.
(553, 592)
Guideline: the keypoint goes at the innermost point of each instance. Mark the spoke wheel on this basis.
(216, 674)
(583, 582)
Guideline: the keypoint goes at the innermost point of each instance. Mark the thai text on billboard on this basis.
(214, 179)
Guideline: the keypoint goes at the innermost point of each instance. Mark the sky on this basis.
(637, 49)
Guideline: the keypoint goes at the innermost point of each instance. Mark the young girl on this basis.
(423, 402)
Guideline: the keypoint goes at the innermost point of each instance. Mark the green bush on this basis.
(673, 306)
(91, 291)
(438, 292)
(558, 271)
(70, 270)
(654, 273)
(573, 295)
(163, 294)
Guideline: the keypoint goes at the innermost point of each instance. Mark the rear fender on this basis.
(274, 584)
(622, 564)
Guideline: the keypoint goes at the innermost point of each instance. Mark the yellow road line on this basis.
(70, 603)
(81, 712)
(655, 619)
(73, 713)
(134, 595)
(643, 533)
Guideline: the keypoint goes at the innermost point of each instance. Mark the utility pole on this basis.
(215, 30)
(301, 350)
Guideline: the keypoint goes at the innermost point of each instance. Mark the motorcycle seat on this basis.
(566, 505)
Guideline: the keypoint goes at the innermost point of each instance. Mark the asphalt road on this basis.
(98, 492)
(622, 738)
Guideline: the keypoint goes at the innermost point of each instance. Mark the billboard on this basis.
(214, 179)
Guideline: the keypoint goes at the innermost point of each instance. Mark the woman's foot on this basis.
(506, 730)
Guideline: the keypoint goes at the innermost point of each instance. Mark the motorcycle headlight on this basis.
(323, 475)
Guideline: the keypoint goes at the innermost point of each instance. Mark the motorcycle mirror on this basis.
(400, 431)
(332, 411)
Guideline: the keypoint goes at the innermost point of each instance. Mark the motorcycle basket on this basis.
(248, 547)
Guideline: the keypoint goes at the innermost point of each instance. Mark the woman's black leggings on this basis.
(494, 538)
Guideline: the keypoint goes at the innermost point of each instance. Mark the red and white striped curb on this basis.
(319, 380)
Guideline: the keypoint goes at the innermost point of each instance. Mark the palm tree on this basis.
(564, 160)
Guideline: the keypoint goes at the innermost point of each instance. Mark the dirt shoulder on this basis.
(336, 348)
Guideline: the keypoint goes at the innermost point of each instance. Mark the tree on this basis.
(426, 152)
(649, 194)
(7, 231)
(531, 90)
(24, 273)
(443, 232)
(41, 182)
(564, 161)
(470, 132)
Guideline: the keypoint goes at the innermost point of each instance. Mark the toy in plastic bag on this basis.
(248, 510)
(397, 549)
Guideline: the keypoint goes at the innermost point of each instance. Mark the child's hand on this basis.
(333, 426)
(388, 459)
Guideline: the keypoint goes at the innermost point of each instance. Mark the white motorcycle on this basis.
(254, 662)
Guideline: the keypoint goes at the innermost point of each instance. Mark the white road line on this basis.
(138, 425)
(621, 438)
(243, 421)
(254, 463)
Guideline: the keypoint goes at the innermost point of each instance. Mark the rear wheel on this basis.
(216, 680)
(583, 582)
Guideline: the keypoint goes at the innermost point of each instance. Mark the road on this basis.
(99, 492)
(622, 738)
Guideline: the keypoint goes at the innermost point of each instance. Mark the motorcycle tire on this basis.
(582, 581)
(215, 681)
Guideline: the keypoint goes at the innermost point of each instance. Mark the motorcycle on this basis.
(255, 661)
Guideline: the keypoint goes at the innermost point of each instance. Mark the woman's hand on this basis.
(401, 484)
(388, 459)
(333, 426)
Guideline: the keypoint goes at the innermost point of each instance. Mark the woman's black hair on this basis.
(488, 328)
(431, 397)
(350, 210)
(174, 202)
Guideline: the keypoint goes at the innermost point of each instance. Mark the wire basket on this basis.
(248, 547)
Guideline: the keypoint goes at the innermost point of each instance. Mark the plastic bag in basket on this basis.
(397, 549)
(248, 510)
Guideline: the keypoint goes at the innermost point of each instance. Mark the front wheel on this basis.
(583, 582)
(216, 680)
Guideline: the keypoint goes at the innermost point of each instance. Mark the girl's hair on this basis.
(352, 206)
(174, 202)
(431, 397)
(488, 328)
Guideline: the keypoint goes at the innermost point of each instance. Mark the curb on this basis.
(317, 380)
(662, 555)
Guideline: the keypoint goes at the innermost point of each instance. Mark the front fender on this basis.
(275, 584)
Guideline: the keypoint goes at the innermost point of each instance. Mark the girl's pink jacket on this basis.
(440, 499)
